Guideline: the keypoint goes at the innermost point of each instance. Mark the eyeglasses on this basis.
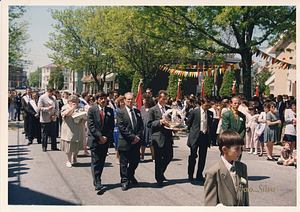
(91, 99)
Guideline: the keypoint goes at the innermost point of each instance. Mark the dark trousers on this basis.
(98, 155)
(202, 145)
(163, 156)
(34, 130)
(48, 129)
(17, 113)
(213, 130)
(26, 122)
(129, 161)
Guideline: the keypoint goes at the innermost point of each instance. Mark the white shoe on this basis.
(250, 152)
(87, 154)
(69, 165)
(142, 160)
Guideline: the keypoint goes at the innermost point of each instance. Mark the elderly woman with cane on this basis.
(72, 129)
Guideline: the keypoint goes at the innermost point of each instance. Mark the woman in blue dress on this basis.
(271, 131)
(146, 135)
(120, 105)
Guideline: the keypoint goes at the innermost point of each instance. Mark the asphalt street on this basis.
(42, 178)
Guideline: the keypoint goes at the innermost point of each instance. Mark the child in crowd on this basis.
(226, 182)
(251, 125)
(286, 158)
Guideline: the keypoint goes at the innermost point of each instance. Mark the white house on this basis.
(283, 81)
(70, 77)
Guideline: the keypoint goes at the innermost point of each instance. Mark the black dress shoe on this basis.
(56, 149)
(160, 184)
(191, 178)
(134, 181)
(124, 187)
(29, 142)
(200, 178)
(44, 149)
(98, 187)
(164, 178)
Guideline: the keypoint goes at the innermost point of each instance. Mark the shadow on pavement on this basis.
(257, 178)
(18, 195)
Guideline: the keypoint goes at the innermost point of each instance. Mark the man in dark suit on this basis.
(100, 122)
(199, 124)
(18, 106)
(161, 137)
(130, 125)
(24, 101)
(280, 106)
(33, 113)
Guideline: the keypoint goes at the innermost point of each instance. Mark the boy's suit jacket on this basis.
(127, 134)
(96, 128)
(219, 186)
(229, 122)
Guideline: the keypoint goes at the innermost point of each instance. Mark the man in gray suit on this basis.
(161, 137)
(48, 114)
(130, 124)
(100, 122)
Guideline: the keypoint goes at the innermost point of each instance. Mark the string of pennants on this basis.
(206, 70)
(280, 64)
(211, 70)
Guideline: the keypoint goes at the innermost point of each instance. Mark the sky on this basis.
(40, 26)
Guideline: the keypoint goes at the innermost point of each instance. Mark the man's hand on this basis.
(53, 117)
(103, 140)
(136, 140)
(51, 107)
(164, 121)
(36, 115)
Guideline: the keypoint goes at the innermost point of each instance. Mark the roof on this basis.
(270, 80)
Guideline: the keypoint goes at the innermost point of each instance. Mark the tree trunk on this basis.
(246, 65)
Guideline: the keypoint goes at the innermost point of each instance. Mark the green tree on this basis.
(135, 82)
(35, 78)
(18, 37)
(227, 84)
(56, 78)
(173, 85)
(138, 51)
(208, 84)
(261, 77)
(125, 82)
(202, 28)
(81, 41)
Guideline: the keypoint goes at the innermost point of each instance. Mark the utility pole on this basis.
(38, 77)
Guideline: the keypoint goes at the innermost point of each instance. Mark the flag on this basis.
(234, 88)
(202, 91)
(257, 90)
(139, 96)
(178, 92)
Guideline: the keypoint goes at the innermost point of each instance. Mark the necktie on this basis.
(162, 109)
(204, 122)
(235, 176)
(133, 120)
(235, 114)
(101, 113)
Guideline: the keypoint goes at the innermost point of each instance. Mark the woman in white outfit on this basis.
(225, 106)
(290, 117)
(262, 119)
(251, 137)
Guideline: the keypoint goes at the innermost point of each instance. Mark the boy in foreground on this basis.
(226, 182)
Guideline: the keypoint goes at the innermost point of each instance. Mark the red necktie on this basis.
(101, 113)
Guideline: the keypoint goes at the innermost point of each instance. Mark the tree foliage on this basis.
(202, 28)
(81, 41)
(34, 78)
(208, 85)
(261, 77)
(173, 85)
(56, 78)
(227, 85)
(135, 82)
(18, 37)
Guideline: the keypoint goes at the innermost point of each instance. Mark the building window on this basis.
(70, 79)
(66, 79)
(47, 69)
(66, 87)
(66, 70)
